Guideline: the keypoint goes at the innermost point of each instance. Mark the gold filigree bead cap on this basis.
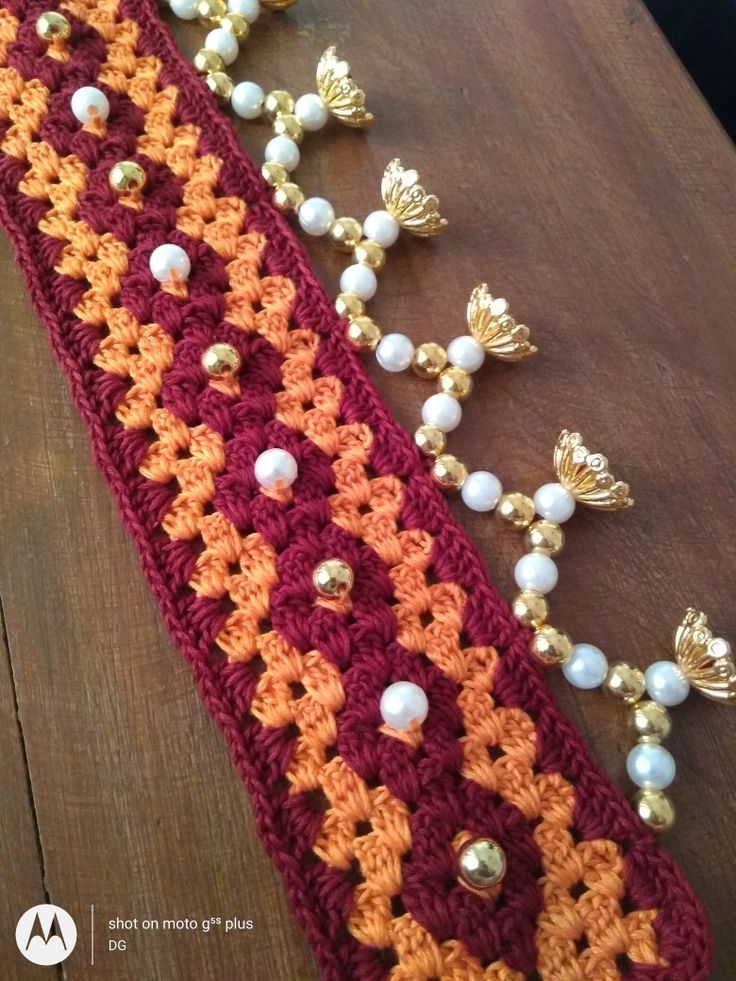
(705, 661)
(277, 4)
(586, 475)
(408, 203)
(342, 96)
(491, 325)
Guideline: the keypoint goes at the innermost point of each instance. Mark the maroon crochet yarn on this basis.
(185, 487)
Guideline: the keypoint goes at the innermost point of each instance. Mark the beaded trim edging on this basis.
(364, 822)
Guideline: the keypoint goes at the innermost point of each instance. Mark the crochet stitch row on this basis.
(363, 821)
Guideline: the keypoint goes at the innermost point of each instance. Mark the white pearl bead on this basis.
(465, 352)
(587, 666)
(554, 502)
(666, 683)
(275, 469)
(395, 352)
(443, 411)
(284, 151)
(247, 100)
(89, 103)
(186, 9)
(381, 227)
(311, 112)
(359, 279)
(651, 766)
(481, 491)
(250, 9)
(402, 704)
(169, 263)
(224, 43)
(316, 216)
(537, 572)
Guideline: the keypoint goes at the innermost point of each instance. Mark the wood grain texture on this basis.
(585, 180)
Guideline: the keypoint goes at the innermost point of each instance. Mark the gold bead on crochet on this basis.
(53, 27)
(545, 536)
(625, 682)
(430, 440)
(650, 722)
(220, 84)
(531, 608)
(333, 578)
(449, 472)
(551, 646)
(126, 176)
(206, 60)
(429, 360)
(345, 233)
(277, 103)
(481, 864)
(221, 360)
(655, 809)
(515, 508)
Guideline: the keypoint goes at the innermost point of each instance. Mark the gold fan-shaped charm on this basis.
(491, 325)
(705, 660)
(343, 97)
(586, 475)
(408, 202)
(277, 4)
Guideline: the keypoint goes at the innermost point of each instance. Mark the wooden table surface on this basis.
(586, 180)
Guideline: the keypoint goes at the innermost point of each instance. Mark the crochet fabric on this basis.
(363, 822)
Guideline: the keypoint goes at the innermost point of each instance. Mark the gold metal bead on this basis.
(625, 682)
(429, 360)
(655, 809)
(515, 508)
(551, 646)
(211, 12)
(333, 578)
(276, 103)
(430, 440)
(481, 864)
(345, 233)
(288, 197)
(274, 173)
(456, 382)
(126, 176)
(449, 472)
(531, 608)
(545, 536)
(221, 360)
(288, 125)
(237, 25)
(349, 305)
(206, 60)
(650, 721)
(363, 333)
(53, 27)
(370, 254)
(220, 84)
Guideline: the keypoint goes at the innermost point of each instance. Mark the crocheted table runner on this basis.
(362, 821)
